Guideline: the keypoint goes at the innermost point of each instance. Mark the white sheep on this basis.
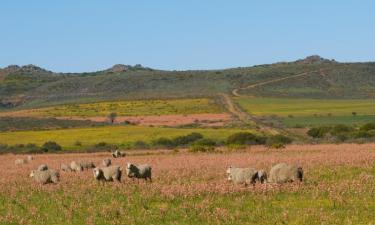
(246, 175)
(283, 173)
(65, 168)
(45, 176)
(110, 173)
(139, 171)
(20, 161)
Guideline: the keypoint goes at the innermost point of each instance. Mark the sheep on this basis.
(87, 165)
(80, 166)
(118, 154)
(110, 173)
(106, 162)
(20, 161)
(283, 173)
(42, 167)
(65, 167)
(46, 176)
(246, 175)
(30, 158)
(74, 166)
(138, 171)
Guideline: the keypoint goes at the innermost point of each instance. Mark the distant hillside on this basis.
(30, 86)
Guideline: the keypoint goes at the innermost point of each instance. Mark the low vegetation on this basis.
(310, 112)
(341, 133)
(124, 108)
(192, 189)
(121, 136)
(27, 123)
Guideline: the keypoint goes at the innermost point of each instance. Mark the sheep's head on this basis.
(131, 170)
(229, 169)
(261, 176)
(98, 173)
(32, 174)
(229, 177)
(299, 174)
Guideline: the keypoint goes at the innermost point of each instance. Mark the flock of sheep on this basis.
(280, 173)
(107, 172)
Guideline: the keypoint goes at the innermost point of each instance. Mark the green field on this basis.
(120, 135)
(126, 108)
(311, 111)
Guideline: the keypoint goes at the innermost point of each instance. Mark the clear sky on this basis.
(88, 35)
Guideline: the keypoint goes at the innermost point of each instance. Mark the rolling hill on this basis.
(312, 77)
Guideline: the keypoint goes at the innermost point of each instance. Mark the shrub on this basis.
(187, 139)
(203, 145)
(51, 146)
(278, 141)
(245, 138)
(78, 143)
(201, 148)
(364, 134)
(368, 126)
(339, 129)
(103, 146)
(163, 142)
(140, 145)
(318, 132)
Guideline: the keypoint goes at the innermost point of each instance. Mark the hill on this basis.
(313, 77)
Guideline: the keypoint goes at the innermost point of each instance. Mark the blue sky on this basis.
(88, 35)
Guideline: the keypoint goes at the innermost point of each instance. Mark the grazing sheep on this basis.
(118, 154)
(87, 165)
(46, 176)
(20, 161)
(246, 175)
(138, 171)
(65, 168)
(111, 173)
(30, 158)
(42, 167)
(80, 166)
(106, 162)
(283, 173)
(74, 166)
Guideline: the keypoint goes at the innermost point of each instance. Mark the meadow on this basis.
(311, 111)
(124, 108)
(192, 189)
(120, 135)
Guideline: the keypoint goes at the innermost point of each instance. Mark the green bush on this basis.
(278, 141)
(368, 127)
(364, 134)
(180, 141)
(187, 139)
(340, 129)
(103, 146)
(140, 145)
(245, 138)
(51, 146)
(318, 132)
(163, 142)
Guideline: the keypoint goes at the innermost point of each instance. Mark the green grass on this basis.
(128, 108)
(327, 120)
(311, 111)
(306, 107)
(120, 135)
